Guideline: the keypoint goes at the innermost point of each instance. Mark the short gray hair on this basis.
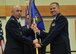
(55, 3)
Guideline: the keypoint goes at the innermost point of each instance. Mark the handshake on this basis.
(35, 41)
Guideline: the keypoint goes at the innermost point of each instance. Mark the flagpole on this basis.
(35, 38)
(37, 52)
(30, 3)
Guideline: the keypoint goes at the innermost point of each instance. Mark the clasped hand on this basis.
(36, 43)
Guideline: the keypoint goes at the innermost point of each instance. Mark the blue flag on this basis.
(26, 14)
(38, 18)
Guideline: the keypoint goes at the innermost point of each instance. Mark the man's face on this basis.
(17, 12)
(54, 9)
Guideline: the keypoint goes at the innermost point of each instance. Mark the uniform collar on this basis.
(15, 18)
(55, 17)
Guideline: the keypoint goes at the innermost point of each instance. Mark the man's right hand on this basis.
(36, 43)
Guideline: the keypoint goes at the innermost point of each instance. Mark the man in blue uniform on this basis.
(58, 34)
(15, 40)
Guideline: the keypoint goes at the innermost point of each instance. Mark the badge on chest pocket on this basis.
(53, 24)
